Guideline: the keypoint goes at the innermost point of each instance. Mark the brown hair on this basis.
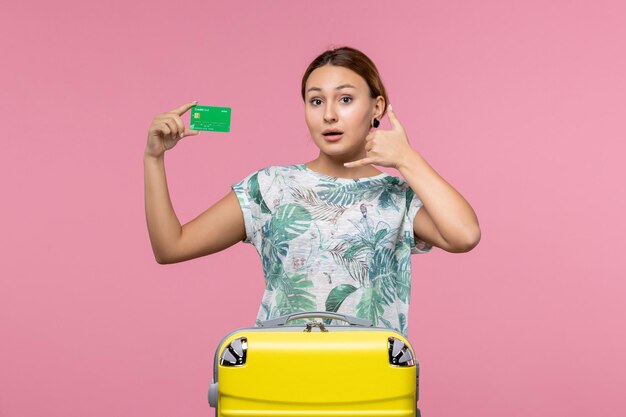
(354, 60)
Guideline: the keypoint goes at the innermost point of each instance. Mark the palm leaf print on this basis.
(320, 210)
(348, 194)
(403, 323)
(382, 273)
(369, 239)
(337, 296)
(386, 199)
(266, 309)
(384, 236)
(370, 306)
(391, 190)
(409, 235)
(255, 193)
(357, 249)
(409, 198)
(403, 281)
(289, 222)
(272, 253)
(293, 296)
(356, 266)
(386, 323)
(274, 272)
(403, 285)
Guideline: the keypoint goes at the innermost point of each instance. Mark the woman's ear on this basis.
(379, 109)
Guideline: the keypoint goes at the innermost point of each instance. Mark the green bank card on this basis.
(216, 119)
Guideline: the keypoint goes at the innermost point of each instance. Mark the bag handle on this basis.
(282, 320)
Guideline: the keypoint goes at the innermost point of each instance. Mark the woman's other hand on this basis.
(167, 129)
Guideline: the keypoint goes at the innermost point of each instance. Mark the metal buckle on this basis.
(312, 324)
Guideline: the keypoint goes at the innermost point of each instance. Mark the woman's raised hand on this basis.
(167, 129)
(386, 148)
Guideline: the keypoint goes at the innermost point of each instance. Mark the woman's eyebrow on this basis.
(336, 88)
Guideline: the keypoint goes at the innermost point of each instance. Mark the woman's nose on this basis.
(329, 114)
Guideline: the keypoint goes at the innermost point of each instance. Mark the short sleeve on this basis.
(413, 206)
(250, 196)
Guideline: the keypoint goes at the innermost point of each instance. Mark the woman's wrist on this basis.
(408, 159)
(150, 157)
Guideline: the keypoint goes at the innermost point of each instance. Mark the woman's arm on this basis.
(219, 227)
(216, 229)
(446, 220)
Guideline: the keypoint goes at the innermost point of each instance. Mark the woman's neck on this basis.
(335, 168)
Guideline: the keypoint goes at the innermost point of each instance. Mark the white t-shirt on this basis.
(332, 244)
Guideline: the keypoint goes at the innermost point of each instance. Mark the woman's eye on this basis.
(349, 98)
(314, 100)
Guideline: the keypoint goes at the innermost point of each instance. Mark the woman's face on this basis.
(337, 98)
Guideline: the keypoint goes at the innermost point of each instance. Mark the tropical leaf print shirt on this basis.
(332, 244)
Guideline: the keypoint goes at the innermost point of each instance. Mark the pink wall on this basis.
(520, 105)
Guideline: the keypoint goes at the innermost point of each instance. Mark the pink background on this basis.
(521, 105)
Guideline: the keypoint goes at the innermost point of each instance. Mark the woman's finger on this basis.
(182, 109)
(191, 132)
(164, 129)
(359, 163)
(395, 123)
(171, 124)
(179, 124)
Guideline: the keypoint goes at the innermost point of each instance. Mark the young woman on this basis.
(334, 234)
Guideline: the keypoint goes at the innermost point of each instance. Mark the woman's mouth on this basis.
(333, 136)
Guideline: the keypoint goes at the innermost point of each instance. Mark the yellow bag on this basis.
(350, 370)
